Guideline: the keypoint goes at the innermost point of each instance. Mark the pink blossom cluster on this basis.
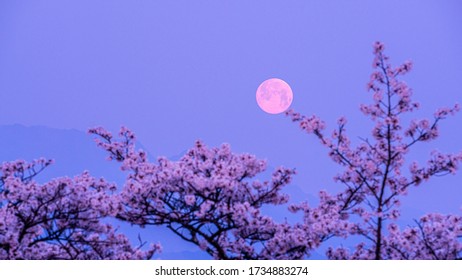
(374, 175)
(210, 198)
(61, 219)
(436, 237)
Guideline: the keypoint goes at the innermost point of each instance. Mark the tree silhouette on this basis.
(374, 175)
(61, 219)
(208, 198)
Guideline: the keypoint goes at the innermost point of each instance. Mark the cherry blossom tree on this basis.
(374, 174)
(208, 198)
(61, 219)
(436, 236)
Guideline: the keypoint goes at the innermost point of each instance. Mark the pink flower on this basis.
(189, 200)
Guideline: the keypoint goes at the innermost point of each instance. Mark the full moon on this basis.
(274, 96)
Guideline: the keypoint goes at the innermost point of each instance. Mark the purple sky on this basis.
(177, 71)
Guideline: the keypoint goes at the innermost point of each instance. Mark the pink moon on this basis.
(274, 96)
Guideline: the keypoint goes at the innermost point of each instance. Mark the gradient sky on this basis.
(177, 71)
